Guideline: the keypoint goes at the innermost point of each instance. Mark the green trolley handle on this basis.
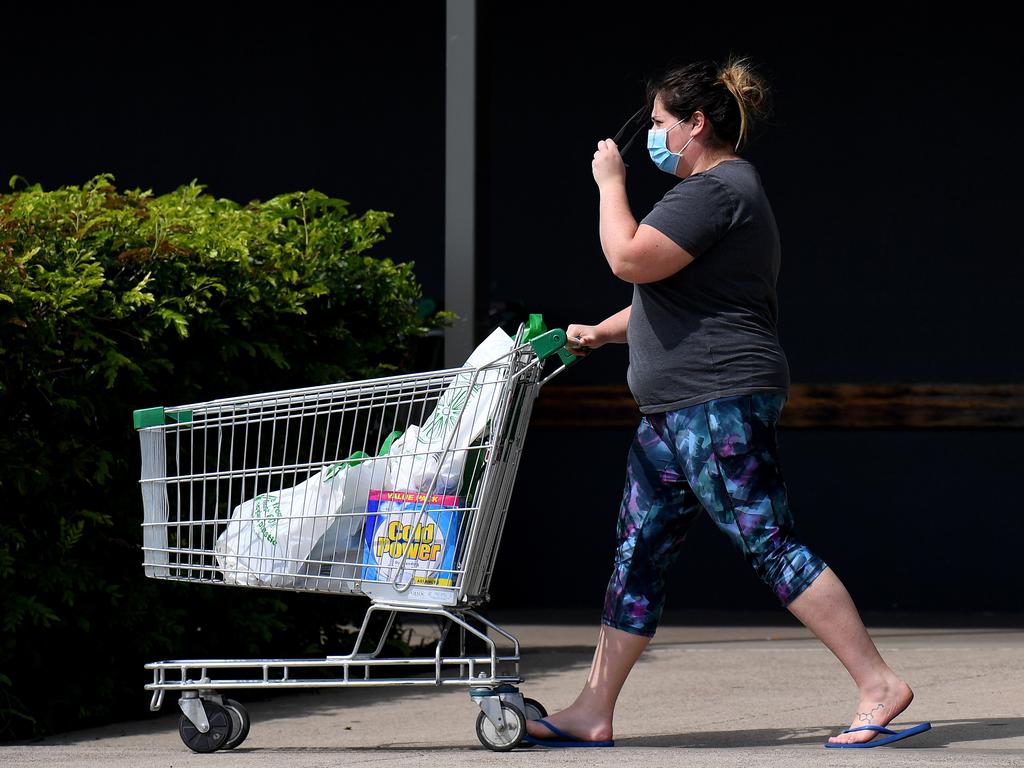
(546, 343)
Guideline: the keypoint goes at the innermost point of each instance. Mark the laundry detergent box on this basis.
(395, 528)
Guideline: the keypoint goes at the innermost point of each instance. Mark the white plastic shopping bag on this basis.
(461, 416)
(410, 465)
(269, 537)
(334, 561)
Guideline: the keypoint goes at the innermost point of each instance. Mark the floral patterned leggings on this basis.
(721, 456)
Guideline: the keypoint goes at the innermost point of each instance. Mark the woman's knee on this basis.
(788, 569)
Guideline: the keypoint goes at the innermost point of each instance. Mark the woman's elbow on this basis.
(623, 270)
(622, 266)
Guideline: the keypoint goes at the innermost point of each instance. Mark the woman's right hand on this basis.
(580, 339)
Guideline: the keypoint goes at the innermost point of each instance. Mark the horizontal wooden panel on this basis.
(816, 406)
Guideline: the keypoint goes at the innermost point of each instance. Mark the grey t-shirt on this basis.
(711, 329)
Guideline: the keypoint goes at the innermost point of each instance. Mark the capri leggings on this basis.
(721, 456)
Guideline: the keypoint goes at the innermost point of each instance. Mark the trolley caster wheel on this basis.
(534, 709)
(239, 723)
(213, 739)
(502, 741)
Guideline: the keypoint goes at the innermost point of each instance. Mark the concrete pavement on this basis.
(708, 696)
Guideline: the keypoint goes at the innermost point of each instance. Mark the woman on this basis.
(707, 371)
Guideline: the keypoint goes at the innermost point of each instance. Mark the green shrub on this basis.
(116, 300)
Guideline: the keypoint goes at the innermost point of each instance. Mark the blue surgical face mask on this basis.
(657, 147)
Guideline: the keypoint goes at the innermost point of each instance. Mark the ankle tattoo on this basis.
(866, 717)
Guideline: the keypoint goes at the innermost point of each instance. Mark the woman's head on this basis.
(731, 99)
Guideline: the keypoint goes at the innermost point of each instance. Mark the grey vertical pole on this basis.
(464, 281)
(460, 276)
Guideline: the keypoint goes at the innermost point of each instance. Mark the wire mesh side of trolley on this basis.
(209, 461)
(266, 467)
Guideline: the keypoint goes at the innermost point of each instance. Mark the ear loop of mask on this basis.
(680, 152)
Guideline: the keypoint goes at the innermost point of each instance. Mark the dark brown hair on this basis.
(733, 97)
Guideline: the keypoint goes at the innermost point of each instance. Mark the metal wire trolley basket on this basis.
(393, 488)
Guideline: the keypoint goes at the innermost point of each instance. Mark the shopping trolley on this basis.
(294, 490)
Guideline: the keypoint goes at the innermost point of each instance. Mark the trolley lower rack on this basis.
(211, 721)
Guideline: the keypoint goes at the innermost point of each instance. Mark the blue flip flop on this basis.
(564, 739)
(891, 736)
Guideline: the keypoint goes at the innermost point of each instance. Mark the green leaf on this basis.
(117, 300)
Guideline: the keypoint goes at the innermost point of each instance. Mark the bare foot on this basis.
(877, 706)
(574, 720)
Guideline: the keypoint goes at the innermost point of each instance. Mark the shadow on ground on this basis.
(942, 734)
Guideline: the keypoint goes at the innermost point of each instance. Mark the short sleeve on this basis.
(695, 214)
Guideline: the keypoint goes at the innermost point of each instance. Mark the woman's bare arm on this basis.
(613, 330)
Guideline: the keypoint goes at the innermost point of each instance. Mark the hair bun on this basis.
(750, 90)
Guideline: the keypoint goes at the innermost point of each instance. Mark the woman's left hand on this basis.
(608, 165)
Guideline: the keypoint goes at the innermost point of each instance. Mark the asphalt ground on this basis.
(701, 695)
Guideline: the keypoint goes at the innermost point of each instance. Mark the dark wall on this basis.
(891, 165)
(347, 99)
(910, 521)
